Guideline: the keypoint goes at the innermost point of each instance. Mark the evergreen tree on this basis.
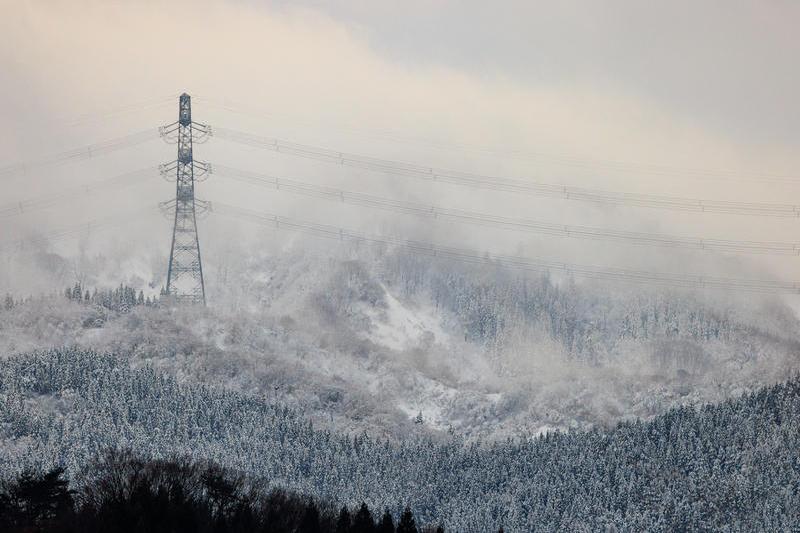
(363, 521)
(343, 521)
(678, 471)
(386, 524)
(37, 500)
(77, 292)
(309, 523)
(407, 524)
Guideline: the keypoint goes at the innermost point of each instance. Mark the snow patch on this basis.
(431, 399)
(545, 430)
(400, 327)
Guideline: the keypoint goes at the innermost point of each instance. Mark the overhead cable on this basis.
(563, 159)
(75, 230)
(57, 198)
(504, 222)
(85, 152)
(494, 183)
(522, 263)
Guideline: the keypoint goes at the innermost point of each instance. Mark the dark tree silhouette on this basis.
(309, 523)
(36, 501)
(362, 521)
(221, 491)
(386, 524)
(407, 523)
(343, 522)
(124, 494)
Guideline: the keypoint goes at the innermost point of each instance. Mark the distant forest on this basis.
(732, 466)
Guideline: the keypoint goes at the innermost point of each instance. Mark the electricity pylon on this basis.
(185, 274)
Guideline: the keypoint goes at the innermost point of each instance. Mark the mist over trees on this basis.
(480, 350)
(259, 389)
(121, 299)
(466, 266)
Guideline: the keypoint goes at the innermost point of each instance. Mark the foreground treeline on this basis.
(732, 466)
(122, 493)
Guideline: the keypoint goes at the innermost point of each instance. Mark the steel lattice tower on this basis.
(185, 274)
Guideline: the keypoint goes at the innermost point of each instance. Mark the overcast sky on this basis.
(571, 88)
(726, 63)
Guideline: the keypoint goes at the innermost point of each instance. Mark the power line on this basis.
(97, 114)
(84, 152)
(75, 230)
(100, 114)
(509, 223)
(48, 200)
(564, 159)
(494, 183)
(522, 263)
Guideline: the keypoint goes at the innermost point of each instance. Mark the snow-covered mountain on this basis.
(376, 340)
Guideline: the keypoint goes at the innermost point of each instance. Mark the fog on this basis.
(536, 258)
(680, 101)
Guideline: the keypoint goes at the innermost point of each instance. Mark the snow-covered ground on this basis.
(353, 345)
(400, 327)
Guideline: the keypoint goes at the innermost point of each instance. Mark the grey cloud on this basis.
(728, 64)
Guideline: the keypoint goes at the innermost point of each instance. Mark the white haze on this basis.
(360, 339)
(346, 80)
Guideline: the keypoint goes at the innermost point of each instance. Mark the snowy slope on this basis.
(367, 343)
(726, 467)
(400, 327)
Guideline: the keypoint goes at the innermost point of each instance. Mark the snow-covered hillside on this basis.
(396, 345)
(727, 467)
